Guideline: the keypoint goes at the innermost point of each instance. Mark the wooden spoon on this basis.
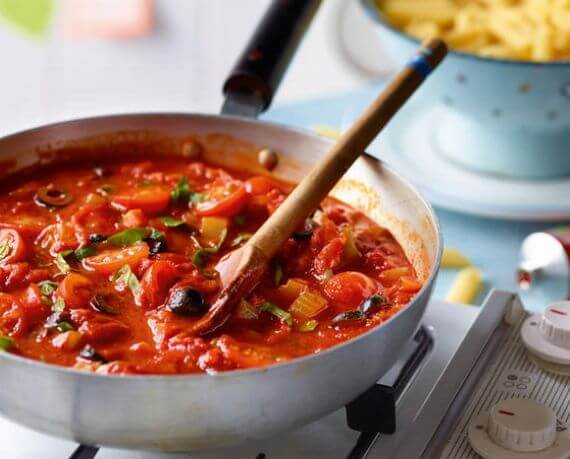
(241, 270)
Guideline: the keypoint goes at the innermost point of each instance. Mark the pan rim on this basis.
(434, 269)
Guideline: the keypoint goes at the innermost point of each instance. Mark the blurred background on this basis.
(73, 58)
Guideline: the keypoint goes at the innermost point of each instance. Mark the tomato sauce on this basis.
(105, 267)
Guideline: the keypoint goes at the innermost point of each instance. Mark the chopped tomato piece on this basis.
(224, 200)
(350, 288)
(34, 307)
(134, 218)
(12, 246)
(108, 261)
(156, 282)
(260, 185)
(75, 290)
(149, 199)
(330, 257)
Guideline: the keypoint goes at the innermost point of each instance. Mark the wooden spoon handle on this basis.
(307, 196)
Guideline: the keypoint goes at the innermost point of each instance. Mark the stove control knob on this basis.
(555, 324)
(522, 425)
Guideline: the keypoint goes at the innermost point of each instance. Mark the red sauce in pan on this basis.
(105, 267)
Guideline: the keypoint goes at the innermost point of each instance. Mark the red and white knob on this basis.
(547, 335)
(517, 426)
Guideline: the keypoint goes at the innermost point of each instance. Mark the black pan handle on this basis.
(259, 70)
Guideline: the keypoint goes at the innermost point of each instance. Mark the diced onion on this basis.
(212, 227)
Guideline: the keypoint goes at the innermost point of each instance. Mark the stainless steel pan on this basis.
(181, 413)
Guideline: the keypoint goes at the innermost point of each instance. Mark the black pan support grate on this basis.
(373, 413)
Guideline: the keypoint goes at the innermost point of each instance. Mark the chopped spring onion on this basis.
(241, 237)
(128, 237)
(282, 315)
(308, 305)
(47, 287)
(277, 274)
(247, 311)
(84, 252)
(6, 343)
(308, 326)
(4, 249)
(125, 278)
(58, 305)
(61, 262)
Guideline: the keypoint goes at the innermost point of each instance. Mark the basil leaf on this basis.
(171, 222)
(128, 237)
(58, 306)
(6, 343)
(4, 249)
(282, 315)
(64, 326)
(241, 237)
(181, 191)
(277, 274)
(125, 278)
(203, 252)
(61, 262)
(197, 197)
(84, 252)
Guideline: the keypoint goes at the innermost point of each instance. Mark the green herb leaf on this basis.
(308, 326)
(128, 237)
(84, 252)
(240, 220)
(156, 235)
(277, 274)
(241, 237)
(181, 191)
(282, 315)
(125, 278)
(4, 248)
(203, 252)
(6, 343)
(59, 305)
(171, 222)
(64, 326)
(61, 262)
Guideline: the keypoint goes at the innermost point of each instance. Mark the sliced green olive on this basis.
(52, 197)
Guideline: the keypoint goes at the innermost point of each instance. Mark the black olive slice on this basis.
(186, 301)
(52, 197)
(306, 231)
(373, 301)
(99, 304)
(96, 238)
(349, 317)
(89, 353)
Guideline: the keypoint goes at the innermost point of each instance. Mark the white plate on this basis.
(409, 145)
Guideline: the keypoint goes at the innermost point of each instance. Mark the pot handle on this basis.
(255, 77)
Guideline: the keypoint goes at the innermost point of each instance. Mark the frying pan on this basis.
(188, 412)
